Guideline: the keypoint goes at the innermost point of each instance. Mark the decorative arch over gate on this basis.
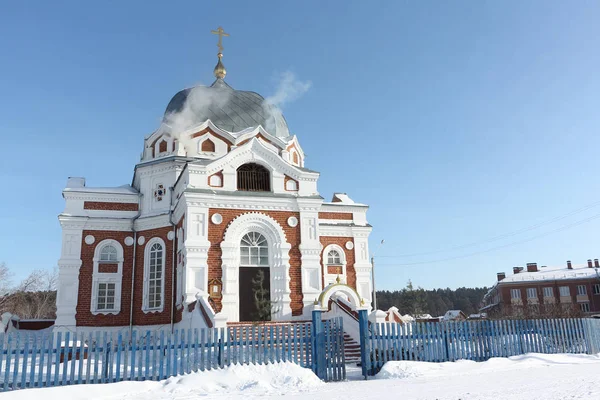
(355, 299)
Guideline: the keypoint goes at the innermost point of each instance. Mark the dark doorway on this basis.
(255, 294)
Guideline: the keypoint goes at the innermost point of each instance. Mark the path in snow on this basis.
(530, 377)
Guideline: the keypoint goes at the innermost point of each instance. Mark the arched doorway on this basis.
(255, 242)
(255, 279)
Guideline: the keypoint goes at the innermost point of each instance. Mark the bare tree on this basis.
(5, 284)
(34, 297)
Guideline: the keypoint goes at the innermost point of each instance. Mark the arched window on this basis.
(154, 275)
(108, 254)
(333, 258)
(254, 250)
(208, 146)
(334, 263)
(162, 146)
(107, 278)
(253, 177)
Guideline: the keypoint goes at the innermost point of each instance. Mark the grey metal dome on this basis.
(229, 109)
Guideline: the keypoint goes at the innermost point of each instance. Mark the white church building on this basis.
(221, 213)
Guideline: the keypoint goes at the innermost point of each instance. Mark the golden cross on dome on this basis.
(221, 33)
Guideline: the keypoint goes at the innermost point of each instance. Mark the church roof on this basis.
(229, 109)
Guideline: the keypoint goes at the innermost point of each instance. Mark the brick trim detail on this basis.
(335, 215)
(109, 206)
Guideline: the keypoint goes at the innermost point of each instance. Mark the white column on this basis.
(68, 276)
(310, 250)
(196, 252)
(362, 266)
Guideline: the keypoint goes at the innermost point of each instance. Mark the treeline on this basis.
(435, 302)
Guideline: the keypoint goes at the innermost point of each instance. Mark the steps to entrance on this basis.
(351, 350)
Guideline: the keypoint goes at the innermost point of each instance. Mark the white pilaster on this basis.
(68, 276)
(310, 250)
(196, 252)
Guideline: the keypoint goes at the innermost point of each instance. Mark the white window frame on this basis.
(597, 288)
(581, 290)
(548, 292)
(106, 297)
(257, 246)
(146, 303)
(331, 278)
(584, 305)
(531, 291)
(107, 277)
(515, 294)
(562, 292)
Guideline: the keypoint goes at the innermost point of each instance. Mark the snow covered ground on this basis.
(530, 376)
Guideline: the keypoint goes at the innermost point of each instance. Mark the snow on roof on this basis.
(552, 273)
(342, 198)
(452, 314)
(424, 316)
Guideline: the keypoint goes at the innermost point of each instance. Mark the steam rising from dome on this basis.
(229, 109)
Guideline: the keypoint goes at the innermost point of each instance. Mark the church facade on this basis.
(222, 221)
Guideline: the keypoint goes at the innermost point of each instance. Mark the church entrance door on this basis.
(255, 294)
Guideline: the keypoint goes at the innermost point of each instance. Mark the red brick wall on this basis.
(341, 241)
(83, 315)
(334, 269)
(334, 215)
(216, 235)
(109, 206)
(108, 268)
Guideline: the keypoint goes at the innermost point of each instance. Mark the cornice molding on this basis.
(102, 197)
(97, 224)
(154, 222)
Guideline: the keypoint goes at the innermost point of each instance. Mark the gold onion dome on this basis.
(220, 70)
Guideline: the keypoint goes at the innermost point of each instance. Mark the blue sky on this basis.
(456, 122)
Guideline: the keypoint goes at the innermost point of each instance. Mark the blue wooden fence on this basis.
(41, 360)
(475, 340)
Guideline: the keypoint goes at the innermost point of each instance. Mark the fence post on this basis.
(365, 352)
(445, 332)
(106, 361)
(318, 345)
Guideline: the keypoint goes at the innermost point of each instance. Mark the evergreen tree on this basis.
(435, 302)
(262, 301)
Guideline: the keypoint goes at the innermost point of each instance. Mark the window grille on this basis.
(108, 253)
(106, 296)
(253, 177)
(333, 258)
(155, 278)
